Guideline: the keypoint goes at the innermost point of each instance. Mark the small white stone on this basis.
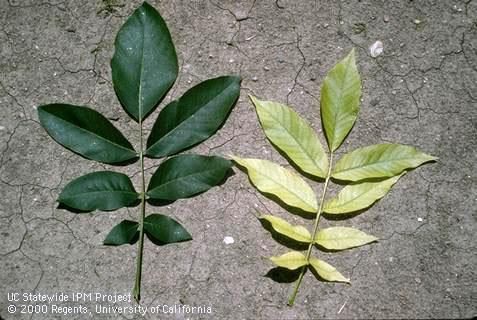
(254, 78)
(229, 240)
(376, 49)
(419, 219)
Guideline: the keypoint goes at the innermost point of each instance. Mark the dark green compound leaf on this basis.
(164, 230)
(86, 132)
(144, 65)
(103, 190)
(186, 175)
(194, 117)
(125, 232)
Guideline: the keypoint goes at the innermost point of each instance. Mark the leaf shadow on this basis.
(164, 202)
(71, 209)
(283, 275)
(125, 163)
(160, 243)
(323, 249)
(348, 183)
(79, 211)
(345, 216)
(281, 239)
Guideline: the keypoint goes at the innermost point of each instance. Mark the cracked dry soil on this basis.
(421, 91)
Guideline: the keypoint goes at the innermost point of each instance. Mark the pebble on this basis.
(2, 128)
(240, 16)
(266, 68)
(254, 78)
(417, 21)
(456, 9)
(419, 219)
(386, 18)
(229, 240)
(376, 49)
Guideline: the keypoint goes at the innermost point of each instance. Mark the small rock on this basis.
(374, 102)
(240, 16)
(386, 18)
(266, 68)
(229, 240)
(376, 49)
(231, 61)
(419, 219)
(71, 29)
(417, 21)
(456, 9)
(254, 78)
(417, 280)
(326, 25)
(2, 128)
(211, 56)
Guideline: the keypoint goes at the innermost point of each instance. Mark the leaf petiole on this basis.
(140, 244)
(291, 301)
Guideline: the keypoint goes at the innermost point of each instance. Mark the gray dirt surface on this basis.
(421, 91)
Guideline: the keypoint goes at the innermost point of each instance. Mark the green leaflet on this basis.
(271, 178)
(85, 132)
(327, 271)
(102, 190)
(378, 161)
(194, 117)
(125, 232)
(144, 65)
(186, 175)
(291, 260)
(340, 95)
(292, 134)
(359, 196)
(298, 233)
(341, 238)
(164, 230)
